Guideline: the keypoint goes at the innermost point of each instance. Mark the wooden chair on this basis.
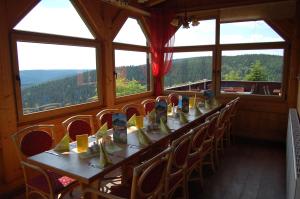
(131, 109)
(31, 141)
(148, 104)
(234, 103)
(165, 98)
(105, 116)
(221, 128)
(197, 152)
(176, 171)
(78, 125)
(210, 141)
(173, 98)
(147, 180)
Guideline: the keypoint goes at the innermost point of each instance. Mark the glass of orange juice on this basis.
(139, 121)
(82, 142)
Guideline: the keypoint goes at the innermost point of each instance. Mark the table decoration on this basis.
(63, 145)
(164, 127)
(119, 122)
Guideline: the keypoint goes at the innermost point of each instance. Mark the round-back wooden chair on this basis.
(131, 109)
(220, 132)
(176, 171)
(173, 99)
(234, 103)
(197, 153)
(78, 125)
(105, 116)
(147, 180)
(160, 98)
(33, 140)
(211, 139)
(148, 104)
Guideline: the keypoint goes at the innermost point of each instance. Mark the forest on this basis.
(80, 87)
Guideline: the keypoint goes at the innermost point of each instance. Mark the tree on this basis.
(232, 75)
(257, 72)
(126, 87)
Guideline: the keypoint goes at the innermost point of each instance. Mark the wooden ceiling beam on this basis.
(129, 7)
(154, 2)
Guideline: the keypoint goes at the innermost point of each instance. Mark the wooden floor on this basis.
(247, 171)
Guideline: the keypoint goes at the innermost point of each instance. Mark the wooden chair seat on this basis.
(59, 182)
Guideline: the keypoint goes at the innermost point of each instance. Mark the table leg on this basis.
(94, 185)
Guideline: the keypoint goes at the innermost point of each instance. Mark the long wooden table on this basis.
(82, 169)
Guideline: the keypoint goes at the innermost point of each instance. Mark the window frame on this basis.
(284, 45)
(43, 38)
(136, 48)
(217, 49)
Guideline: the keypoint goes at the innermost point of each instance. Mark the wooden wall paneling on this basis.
(294, 60)
(17, 9)
(8, 119)
(297, 50)
(284, 27)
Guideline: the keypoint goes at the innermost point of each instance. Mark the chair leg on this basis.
(27, 192)
(216, 153)
(185, 189)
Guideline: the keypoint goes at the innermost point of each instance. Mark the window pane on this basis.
(55, 17)
(247, 32)
(131, 33)
(132, 72)
(54, 76)
(190, 71)
(203, 34)
(256, 72)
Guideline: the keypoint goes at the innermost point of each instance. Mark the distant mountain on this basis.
(34, 77)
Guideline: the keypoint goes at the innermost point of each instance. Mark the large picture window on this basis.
(258, 72)
(191, 71)
(131, 58)
(56, 64)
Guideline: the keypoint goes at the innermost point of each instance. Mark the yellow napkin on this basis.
(104, 159)
(194, 101)
(182, 118)
(63, 145)
(143, 137)
(164, 127)
(131, 121)
(215, 102)
(169, 108)
(151, 116)
(102, 131)
(197, 111)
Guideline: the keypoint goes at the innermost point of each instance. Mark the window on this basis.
(191, 71)
(132, 74)
(131, 57)
(203, 34)
(257, 71)
(247, 32)
(53, 72)
(252, 71)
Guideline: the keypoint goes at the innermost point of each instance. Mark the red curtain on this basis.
(161, 45)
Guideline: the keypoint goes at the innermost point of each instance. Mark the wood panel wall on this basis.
(260, 119)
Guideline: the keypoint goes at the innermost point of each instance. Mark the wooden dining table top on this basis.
(82, 169)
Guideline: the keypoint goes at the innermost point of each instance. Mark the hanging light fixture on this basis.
(186, 20)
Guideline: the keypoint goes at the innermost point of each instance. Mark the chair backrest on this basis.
(173, 98)
(224, 116)
(148, 178)
(160, 98)
(131, 109)
(200, 133)
(180, 150)
(105, 116)
(33, 140)
(213, 122)
(148, 104)
(78, 125)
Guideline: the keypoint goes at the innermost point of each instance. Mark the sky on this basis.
(59, 17)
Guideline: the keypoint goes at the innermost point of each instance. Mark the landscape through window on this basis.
(190, 71)
(67, 77)
(256, 72)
